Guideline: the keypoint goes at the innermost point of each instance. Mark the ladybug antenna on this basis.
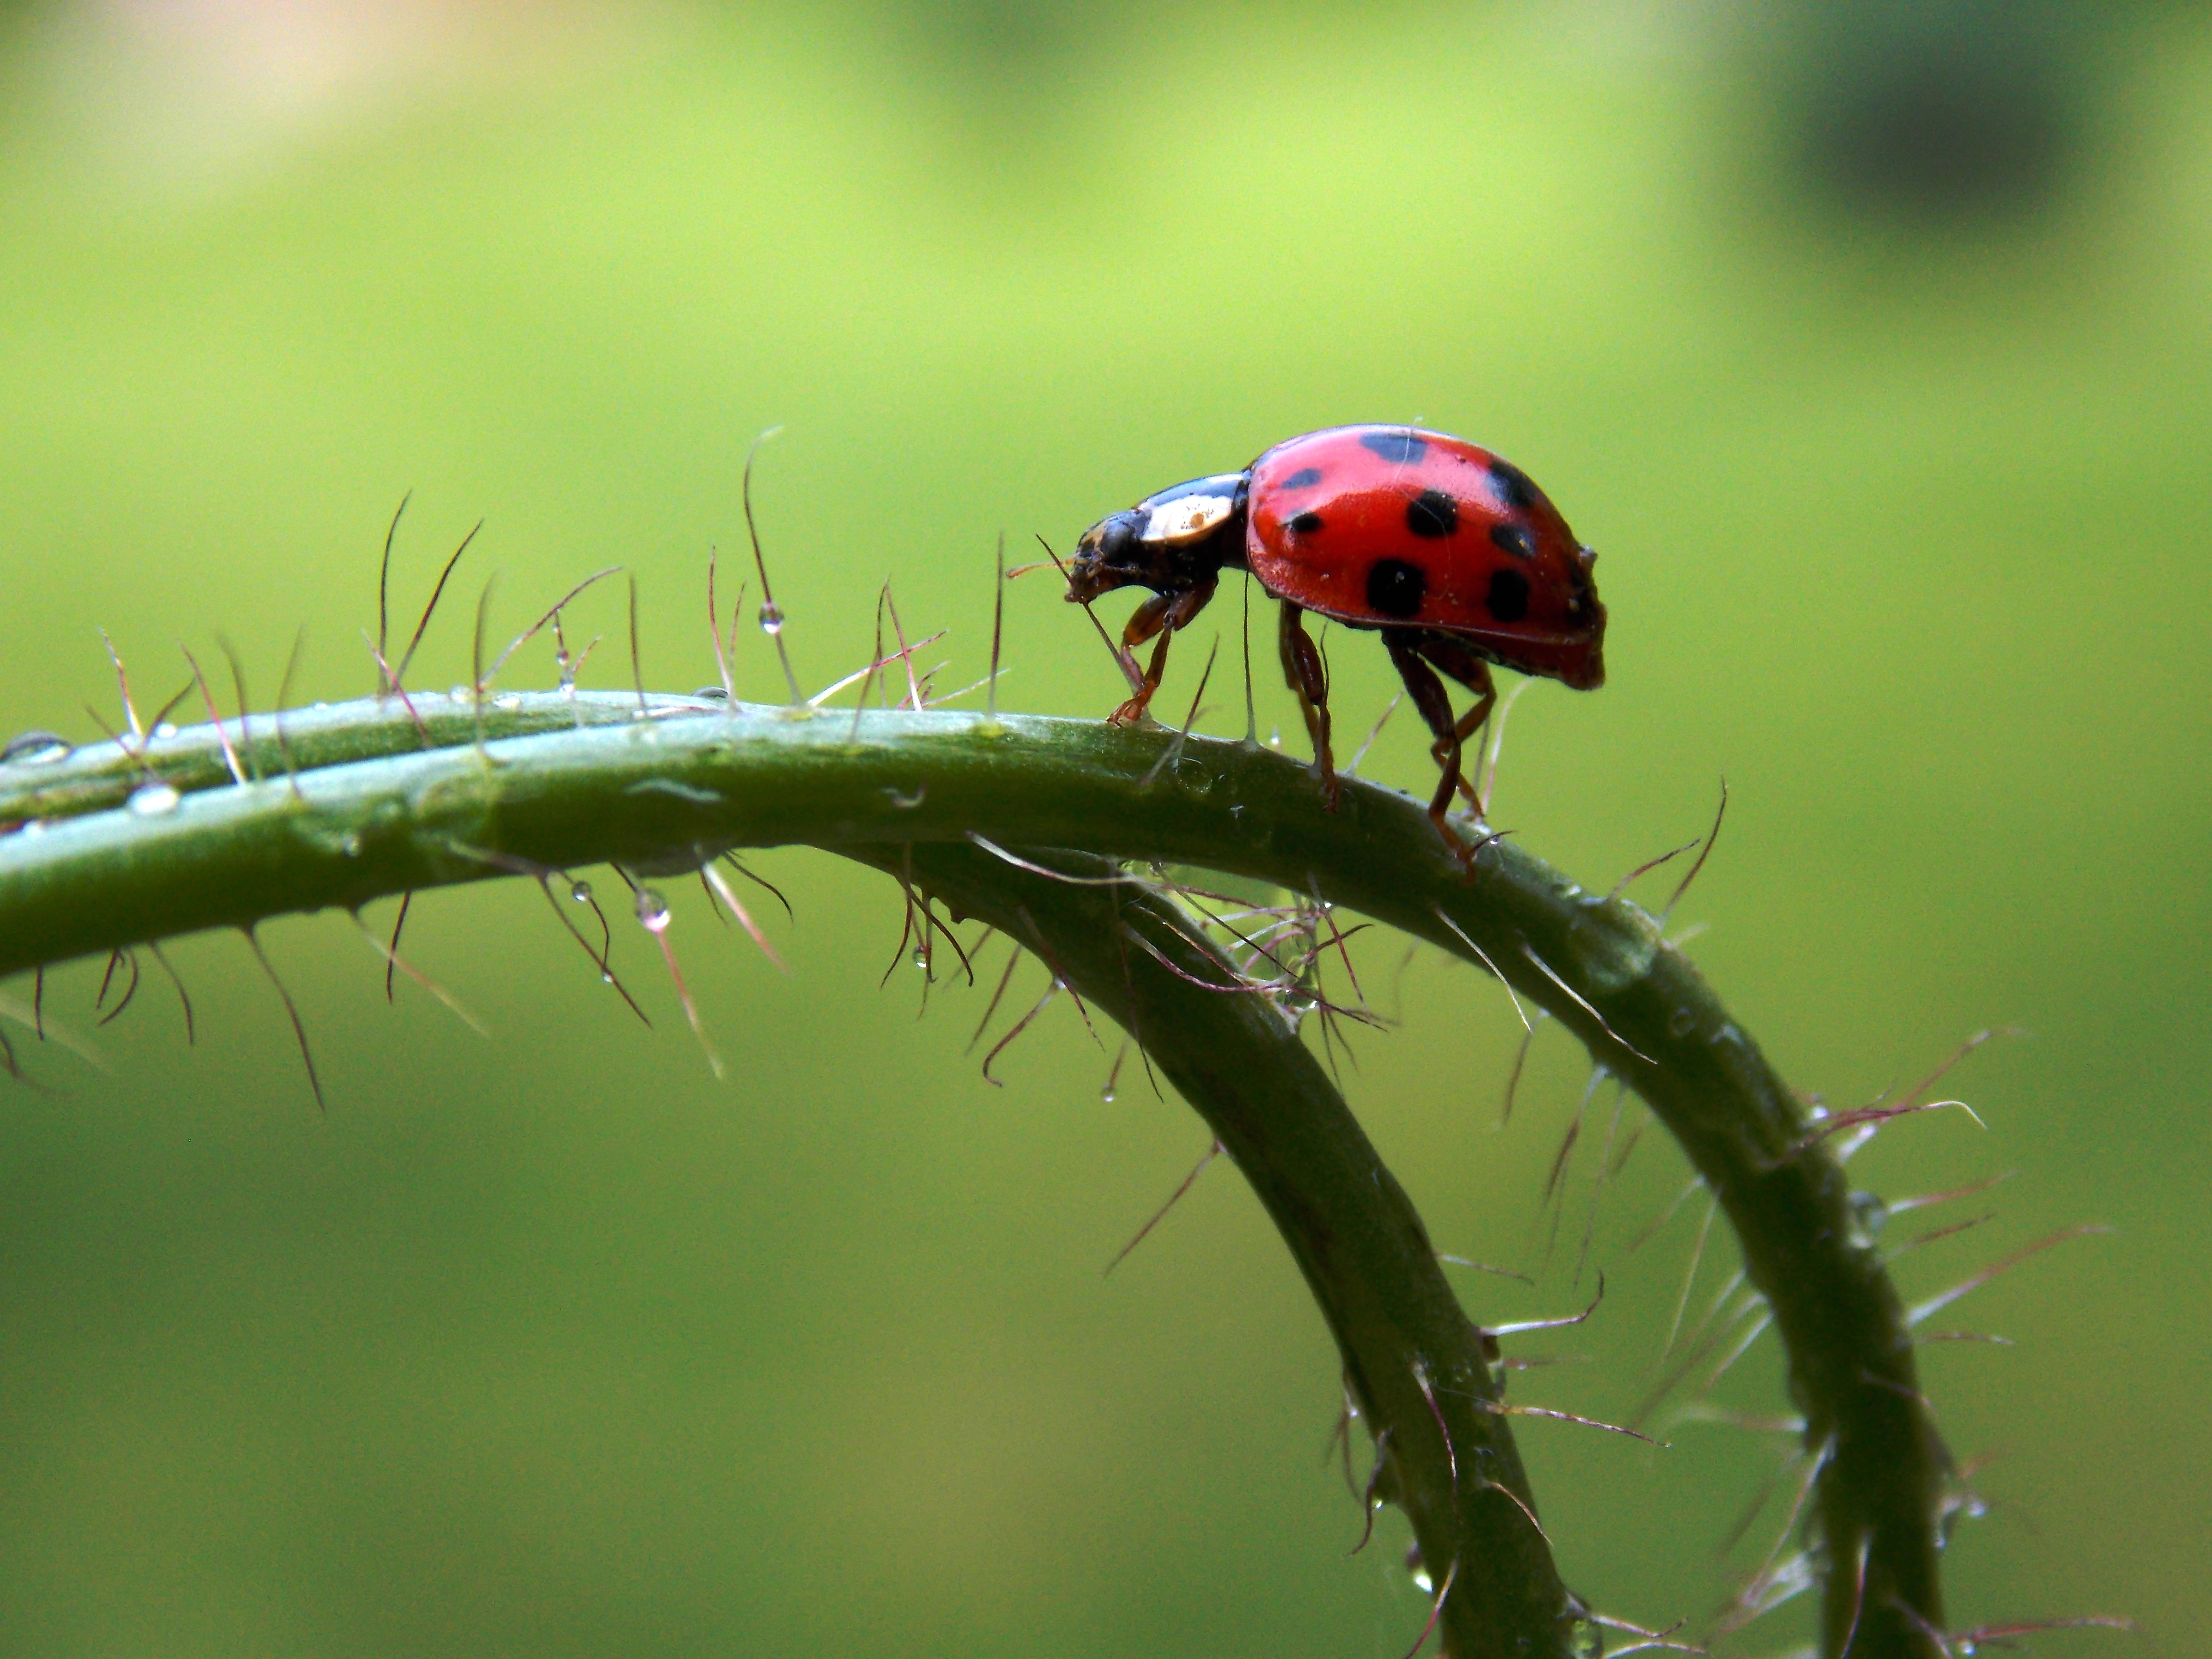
(1120, 659)
(771, 614)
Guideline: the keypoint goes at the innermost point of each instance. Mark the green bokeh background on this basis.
(549, 1344)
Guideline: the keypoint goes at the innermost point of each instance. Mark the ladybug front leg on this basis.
(1406, 651)
(1162, 614)
(1308, 677)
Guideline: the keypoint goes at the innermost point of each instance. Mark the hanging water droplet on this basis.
(150, 800)
(581, 891)
(165, 729)
(605, 978)
(1275, 738)
(1106, 1094)
(34, 749)
(652, 910)
(922, 958)
(771, 619)
(1419, 1569)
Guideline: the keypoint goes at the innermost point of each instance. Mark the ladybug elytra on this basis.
(1447, 550)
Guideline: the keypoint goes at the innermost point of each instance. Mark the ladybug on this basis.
(1447, 550)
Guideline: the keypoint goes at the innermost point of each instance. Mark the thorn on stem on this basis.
(399, 674)
(998, 630)
(191, 1039)
(771, 613)
(1159, 1215)
(291, 1012)
(1711, 837)
(384, 588)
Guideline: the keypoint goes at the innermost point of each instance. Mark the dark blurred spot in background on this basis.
(1948, 110)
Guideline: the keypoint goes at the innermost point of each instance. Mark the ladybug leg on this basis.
(1407, 650)
(1147, 619)
(1307, 676)
(1162, 615)
(1473, 672)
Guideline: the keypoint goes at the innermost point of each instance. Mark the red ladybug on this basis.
(1447, 551)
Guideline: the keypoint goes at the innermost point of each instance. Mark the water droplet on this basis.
(150, 800)
(1419, 1569)
(349, 845)
(652, 910)
(319, 705)
(512, 701)
(605, 978)
(459, 694)
(581, 891)
(771, 619)
(165, 729)
(1275, 738)
(922, 958)
(34, 749)
(35, 827)
(1868, 1214)
(1680, 1023)
(1106, 1094)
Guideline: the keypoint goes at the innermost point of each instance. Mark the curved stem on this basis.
(1411, 1360)
(661, 793)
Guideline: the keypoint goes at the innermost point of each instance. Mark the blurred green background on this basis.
(1870, 344)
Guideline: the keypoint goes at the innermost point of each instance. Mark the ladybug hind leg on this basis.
(1307, 676)
(1413, 653)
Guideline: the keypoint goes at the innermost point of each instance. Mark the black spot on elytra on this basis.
(1304, 478)
(1395, 589)
(1508, 596)
(1397, 448)
(1432, 514)
(1306, 523)
(1512, 539)
(1512, 486)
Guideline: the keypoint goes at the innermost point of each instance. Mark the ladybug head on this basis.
(1169, 542)
(1111, 555)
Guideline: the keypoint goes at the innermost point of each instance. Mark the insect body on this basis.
(1447, 550)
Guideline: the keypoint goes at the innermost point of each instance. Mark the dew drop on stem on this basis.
(150, 800)
(34, 749)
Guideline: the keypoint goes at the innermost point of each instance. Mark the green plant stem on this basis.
(658, 794)
(1411, 1360)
